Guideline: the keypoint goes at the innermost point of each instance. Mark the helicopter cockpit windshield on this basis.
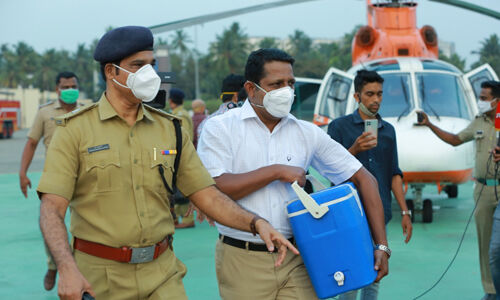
(397, 96)
(442, 95)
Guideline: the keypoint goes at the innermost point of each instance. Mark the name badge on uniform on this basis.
(98, 148)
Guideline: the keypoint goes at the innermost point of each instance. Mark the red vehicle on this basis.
(10, 117)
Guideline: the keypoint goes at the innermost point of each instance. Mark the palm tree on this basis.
(230, 50)
(268, 42)
(180, 39)
(489, 53)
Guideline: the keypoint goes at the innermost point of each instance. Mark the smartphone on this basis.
(371, 126)
(420, 117)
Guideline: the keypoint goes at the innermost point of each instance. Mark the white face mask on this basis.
(277, 102)
(484, 106)
(144, 83)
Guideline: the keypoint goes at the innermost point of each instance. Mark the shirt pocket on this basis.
(105, 167)
(152, 175)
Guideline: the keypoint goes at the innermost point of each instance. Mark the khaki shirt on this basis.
(482, 130)
(44, 125)
(108, 171)
(187, 122)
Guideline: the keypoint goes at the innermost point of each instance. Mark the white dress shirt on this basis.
(238, 142)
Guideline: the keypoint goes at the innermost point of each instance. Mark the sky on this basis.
(63, 24)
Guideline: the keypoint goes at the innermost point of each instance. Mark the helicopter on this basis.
(414, 80)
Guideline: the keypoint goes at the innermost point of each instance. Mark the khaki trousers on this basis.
(248, 275)
(159, 279)
(484, 222)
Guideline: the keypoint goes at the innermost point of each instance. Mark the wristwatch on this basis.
(406, 212)
(384, 248)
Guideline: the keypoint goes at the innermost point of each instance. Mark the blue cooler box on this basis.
(332, 234)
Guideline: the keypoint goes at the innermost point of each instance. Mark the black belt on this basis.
(248, 245)
(489, 182)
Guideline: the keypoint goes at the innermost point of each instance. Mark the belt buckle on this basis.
(142, 255)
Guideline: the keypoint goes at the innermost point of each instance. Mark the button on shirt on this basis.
(108, 171)
(381, 161)
(238, 142)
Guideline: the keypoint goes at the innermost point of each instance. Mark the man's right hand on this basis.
(24, 182)
(365, 141)
(72, 284)
(291, 174)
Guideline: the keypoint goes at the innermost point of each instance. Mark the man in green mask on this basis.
(43, 127)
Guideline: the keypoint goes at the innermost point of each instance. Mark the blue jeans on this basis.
(367, 293)
(495, 251)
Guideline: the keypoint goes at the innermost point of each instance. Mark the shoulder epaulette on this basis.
(61, 120)
(161, 112)
(45, 104)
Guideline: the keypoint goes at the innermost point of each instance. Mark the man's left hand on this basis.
(407, 227)
(200, 216)
(273, 238)
(381, 264)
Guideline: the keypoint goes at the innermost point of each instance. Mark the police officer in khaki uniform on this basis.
(482, 131)
(43, 127)
(176, 101)
(111, 162)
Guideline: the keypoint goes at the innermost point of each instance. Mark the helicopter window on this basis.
(336, 94)
(442, 95)
(397, 99)
(430, 64)
(478, 78)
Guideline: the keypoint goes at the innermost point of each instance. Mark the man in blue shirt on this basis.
(378, 154)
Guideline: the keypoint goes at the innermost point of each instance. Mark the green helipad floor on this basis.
(413, 267)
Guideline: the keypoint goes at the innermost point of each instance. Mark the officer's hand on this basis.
(291, 174)
(365, 141)
(381, 264)
(425, 119)
(24, 182)
(72, 284)
(496, 154)
(273, 238)
(407, 227)
(200, 216)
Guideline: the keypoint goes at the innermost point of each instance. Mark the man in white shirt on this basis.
(254, 153)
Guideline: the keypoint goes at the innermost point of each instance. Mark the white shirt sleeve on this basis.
(332, 160)
(214, 148)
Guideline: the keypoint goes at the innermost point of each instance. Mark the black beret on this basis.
(177, 95)
(232, 83)
(121, 42)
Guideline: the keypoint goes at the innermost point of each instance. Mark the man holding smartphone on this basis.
(373, 142)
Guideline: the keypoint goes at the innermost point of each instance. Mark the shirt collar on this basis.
(358, 119)
(57, 105)
(106, 111)
(177, 109)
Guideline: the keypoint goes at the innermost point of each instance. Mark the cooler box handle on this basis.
(317, 211)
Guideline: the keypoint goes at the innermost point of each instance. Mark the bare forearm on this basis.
(445, 136)
(222, 209)
(27, 157)
(238, 186)
(397, 190)
(368, 187)
(55, 234)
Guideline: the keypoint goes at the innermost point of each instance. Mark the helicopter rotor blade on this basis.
(471, 7)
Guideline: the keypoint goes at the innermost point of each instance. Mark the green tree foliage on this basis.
(268, 42)
(454, 59)
(489, 53)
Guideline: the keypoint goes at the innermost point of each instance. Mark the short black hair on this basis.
(493, 85)
(103, 67)
(65, 74)
(363, 77)
(254, 69)
(177, 96)
(231, 84)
